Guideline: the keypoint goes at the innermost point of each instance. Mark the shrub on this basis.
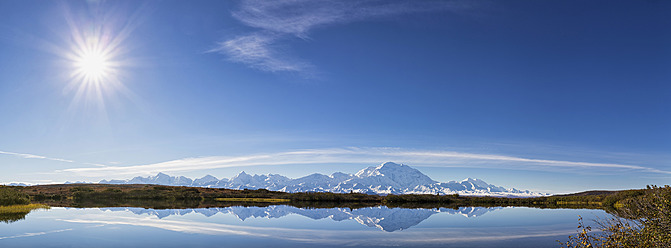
(9, 196)
(645, 222)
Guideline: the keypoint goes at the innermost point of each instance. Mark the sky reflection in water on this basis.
(290, 227)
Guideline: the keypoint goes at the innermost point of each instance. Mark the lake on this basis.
(288, 226)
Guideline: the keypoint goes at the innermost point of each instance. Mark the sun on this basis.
(93, 65)
(95, 56)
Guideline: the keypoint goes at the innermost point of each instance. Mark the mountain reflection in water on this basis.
(382, 217)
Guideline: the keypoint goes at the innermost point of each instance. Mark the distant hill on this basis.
(591, 192)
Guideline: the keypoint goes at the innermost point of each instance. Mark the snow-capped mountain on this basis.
(387, 178)
(160, 178)
(206, 180)
(382, 217)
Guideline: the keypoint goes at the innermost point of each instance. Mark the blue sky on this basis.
(555, 96)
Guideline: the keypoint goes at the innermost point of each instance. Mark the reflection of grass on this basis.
(252, 200)
(18, 212)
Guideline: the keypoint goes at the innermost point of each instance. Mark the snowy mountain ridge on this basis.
(387, 178)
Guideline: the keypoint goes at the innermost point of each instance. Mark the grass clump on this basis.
(21, 208)
(14, 213)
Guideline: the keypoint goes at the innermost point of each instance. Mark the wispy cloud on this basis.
(255, 50)
(33, 156)
(278, 21)
(355, 155)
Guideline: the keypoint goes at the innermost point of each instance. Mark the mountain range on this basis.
(387, 178)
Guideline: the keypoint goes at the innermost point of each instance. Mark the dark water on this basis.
(287, 226)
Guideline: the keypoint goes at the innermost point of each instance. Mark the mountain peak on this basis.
(244, 179)
(384, 168)
(476, 182)
(162, 175)
(209, 176)
(393, 175)
(473, 180)
(390, 165)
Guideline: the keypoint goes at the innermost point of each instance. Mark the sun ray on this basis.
(95, 53)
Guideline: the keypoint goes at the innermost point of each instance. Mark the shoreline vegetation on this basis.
(14, 205)
(641, 220)
(13, 213)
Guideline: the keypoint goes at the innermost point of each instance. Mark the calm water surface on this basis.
(286, 226)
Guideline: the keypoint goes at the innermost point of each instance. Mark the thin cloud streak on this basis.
(256, 51)
(282, 20)
(33, 156)
(300, 16)
(355, 155)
